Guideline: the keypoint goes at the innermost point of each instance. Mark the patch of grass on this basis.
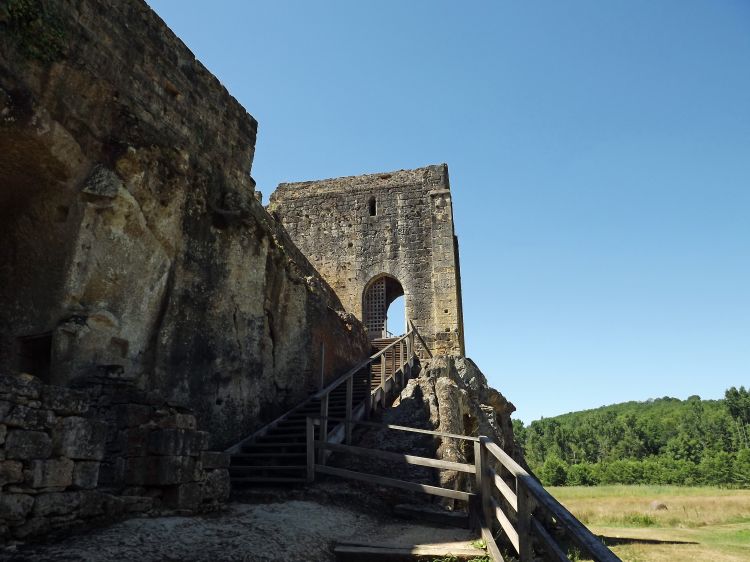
(700, 523)
(633, 519)
(480, 544)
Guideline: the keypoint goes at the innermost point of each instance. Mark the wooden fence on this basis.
(511, 501)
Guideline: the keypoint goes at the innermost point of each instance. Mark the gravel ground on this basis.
(290, 530)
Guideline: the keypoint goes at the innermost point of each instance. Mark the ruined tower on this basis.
(376, 237)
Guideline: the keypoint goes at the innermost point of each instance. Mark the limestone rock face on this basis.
(457, 399)
(132, 244)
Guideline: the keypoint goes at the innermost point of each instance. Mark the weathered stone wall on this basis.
(410, 237)
(131, 240)
(72, 458)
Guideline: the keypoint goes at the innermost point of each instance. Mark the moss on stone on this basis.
(36, 29)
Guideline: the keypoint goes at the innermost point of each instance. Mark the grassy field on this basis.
(698, 524)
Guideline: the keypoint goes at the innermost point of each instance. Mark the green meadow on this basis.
(699, 523)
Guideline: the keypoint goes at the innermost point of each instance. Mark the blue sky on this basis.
(599, 155)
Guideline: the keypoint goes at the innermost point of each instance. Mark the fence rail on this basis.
(522, 511)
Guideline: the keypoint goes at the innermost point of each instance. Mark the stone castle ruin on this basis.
(376, 237)
(152, 312)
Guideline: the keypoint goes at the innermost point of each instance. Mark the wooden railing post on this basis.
(348, 418)
(393, 362)
(323, 436)
(310, 450)
(322, 366)
(525, 545)
(383, 401)
(368, 400)
(484, 482)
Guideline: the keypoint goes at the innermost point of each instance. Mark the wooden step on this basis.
(373, 552)
(295, 438)
(240, 458)
(266, 480)
(234, 469)
(266, 447)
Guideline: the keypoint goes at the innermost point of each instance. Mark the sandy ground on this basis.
(290, 530)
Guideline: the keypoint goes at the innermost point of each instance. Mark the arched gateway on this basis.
(378, 295)
(377, 236)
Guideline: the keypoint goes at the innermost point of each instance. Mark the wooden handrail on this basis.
(399, 427)
(328, 389)
(578, 533)
(424, 344)
(518, 525)
(399, 457)
(354, 370)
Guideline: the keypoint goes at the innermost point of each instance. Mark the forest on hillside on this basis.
(660, 441)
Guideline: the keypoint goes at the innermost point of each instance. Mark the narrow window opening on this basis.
(35, 355)
(372, 206)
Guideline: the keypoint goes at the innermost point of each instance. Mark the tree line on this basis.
(660, 441)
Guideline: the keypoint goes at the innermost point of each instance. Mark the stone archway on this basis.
(379, 293)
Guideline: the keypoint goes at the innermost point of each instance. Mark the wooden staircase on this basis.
(276, 453)
(377, 368)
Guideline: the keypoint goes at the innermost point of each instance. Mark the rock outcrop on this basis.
(449, 394)
(132, 244)
(455, 398)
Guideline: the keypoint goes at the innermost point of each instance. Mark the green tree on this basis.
(742, 468)
(554, 472)
(737, 401)
(717, 468)
(582, 474)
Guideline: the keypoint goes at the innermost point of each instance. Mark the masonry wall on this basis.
(410, 237)
(132, 246)
(72, 458)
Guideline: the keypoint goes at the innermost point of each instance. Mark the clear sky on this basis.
(599, 156)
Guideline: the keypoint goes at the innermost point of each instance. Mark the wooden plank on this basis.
(360, 552)
(551, 548)
(577, 531)
(505, 490)
(587, 541)
(323, 434)
(393, 482)
(384, 395)
(483, 482)
(507, 526)
(368, 400)
(411, 429)
(310, 450)
(505, 459)
(523, 521)
(401, 457)
(354, 370)
(492, 549)
(349, 400)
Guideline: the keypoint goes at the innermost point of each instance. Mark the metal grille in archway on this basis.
(379, 294)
